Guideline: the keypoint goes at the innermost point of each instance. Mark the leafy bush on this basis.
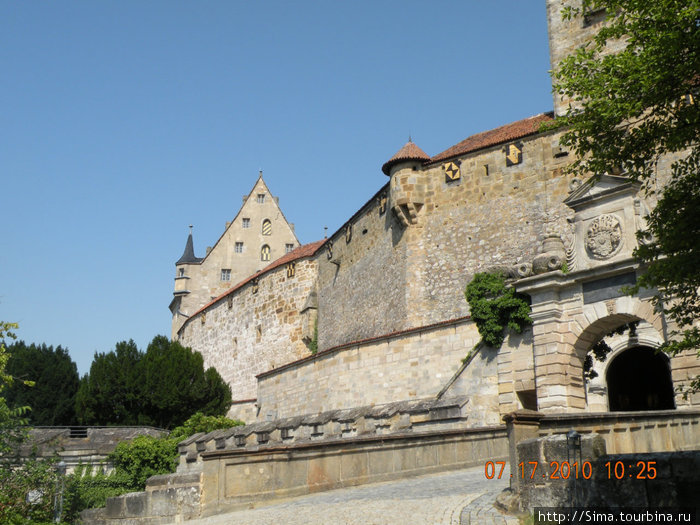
(86, 489)
(143, 457)
(134, 462)
(496, 307)
(203, 423)
(27, 492)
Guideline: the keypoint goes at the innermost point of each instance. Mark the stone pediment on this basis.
(601, 187)
(607, 214)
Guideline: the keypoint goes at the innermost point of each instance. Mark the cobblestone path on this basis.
(461, 497)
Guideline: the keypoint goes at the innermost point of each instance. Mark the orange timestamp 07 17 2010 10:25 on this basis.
(575, 470)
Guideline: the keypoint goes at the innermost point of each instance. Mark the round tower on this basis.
(407, 182)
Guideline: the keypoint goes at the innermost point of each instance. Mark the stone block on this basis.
(380, 462)
(114, 507)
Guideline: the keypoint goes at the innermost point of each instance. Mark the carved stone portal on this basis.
(604, 237)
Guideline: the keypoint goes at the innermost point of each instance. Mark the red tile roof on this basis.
(409, 152)
(306, 250)
(512, 131)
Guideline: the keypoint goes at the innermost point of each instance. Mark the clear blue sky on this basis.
(124, 122)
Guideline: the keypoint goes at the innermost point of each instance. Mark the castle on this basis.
(354, 359)
(376, 312)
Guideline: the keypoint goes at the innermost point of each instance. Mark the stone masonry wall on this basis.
(565, 36)
(407, 366)
(490, 216)
(361, 291)
(245, 333)
(389, 277)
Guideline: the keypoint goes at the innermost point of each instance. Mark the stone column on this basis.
(520, 425)
(558, 369)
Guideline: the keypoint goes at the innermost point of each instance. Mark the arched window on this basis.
(267, 227)
(265, 253)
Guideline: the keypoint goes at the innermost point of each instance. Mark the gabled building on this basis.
(258, 235)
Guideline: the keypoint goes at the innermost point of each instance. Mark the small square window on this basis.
(225, 275)
(246, 222)
(288, 248)
(238, 248)
(261, 198)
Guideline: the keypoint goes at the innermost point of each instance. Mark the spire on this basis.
(188, 255)
(409, 152)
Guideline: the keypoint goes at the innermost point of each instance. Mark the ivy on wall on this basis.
(496, 308)
(600, 350)
(313, 345)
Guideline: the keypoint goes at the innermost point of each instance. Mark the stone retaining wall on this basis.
(232, 479)
(628, 432)
(86, 445)
(410, 365)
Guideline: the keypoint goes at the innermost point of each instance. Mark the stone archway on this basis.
(639, 379)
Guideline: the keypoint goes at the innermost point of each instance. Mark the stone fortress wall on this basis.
(391, 277)
(256, 326)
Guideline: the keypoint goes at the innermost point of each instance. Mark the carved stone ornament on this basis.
(604, 237)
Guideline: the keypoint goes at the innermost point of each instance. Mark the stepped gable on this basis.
(512, 131)
(301, 252)
(408, 152)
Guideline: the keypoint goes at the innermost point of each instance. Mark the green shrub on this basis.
(134, 462)
(143, 457)
(86, 489)
(495, 307)
(202, 423)
(27, 492)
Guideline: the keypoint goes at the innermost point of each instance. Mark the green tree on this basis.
(55, 378)
(161, 387)
(10, 417)
(632, 108)
(27, 487)
(111, 393)
(188, 387)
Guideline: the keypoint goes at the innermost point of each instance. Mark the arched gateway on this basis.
(639, 379)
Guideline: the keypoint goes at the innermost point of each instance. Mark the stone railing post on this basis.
(520, 425)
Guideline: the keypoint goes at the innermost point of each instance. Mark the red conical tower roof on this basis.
(409, 152)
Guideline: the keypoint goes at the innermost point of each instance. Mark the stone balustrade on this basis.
(423, 415)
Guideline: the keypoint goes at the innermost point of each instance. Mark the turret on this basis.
(407, 182)
(183, 273)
